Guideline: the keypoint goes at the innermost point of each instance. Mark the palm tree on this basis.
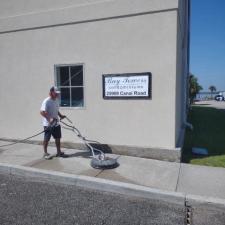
(212, 89)
(194, 87)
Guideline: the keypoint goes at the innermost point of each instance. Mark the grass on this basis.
(209, 132)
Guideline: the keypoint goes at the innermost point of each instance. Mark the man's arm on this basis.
(45, 114)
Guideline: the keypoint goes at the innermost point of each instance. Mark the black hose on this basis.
(95, 163)
(53, 124)
(21, 141)
(71, 128)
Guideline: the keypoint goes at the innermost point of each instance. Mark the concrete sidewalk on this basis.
(166, 176)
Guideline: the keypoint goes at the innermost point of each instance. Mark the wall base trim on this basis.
(171, 155)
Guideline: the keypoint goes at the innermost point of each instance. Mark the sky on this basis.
(207, 45)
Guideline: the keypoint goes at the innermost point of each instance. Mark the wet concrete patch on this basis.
(146, 172)
(113, 175)
(75, 165)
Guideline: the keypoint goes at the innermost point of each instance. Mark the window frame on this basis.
(70, 86)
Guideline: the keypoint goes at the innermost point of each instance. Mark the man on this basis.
(51, 114)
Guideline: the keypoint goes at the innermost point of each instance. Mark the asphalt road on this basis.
(26, 202)
(212, 104)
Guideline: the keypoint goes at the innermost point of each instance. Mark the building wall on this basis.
(127, 36)
(182, 71)
(83, 8)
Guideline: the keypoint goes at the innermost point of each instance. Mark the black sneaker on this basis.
(62, 154)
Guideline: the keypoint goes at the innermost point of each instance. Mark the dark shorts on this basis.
(54, 131)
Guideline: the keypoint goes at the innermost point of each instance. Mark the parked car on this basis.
(219, 98)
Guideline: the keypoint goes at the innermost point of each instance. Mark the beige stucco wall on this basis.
(135, 43)
(11, 8)
(24, 14)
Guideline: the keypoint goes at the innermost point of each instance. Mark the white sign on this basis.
(127, 86)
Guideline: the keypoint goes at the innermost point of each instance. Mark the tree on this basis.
(212, 89)
(194, 87)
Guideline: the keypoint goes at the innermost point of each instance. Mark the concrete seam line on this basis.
(178, 178)
(86, 21)
(56, 9)
(101, 170)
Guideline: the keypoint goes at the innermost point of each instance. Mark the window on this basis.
(69, 79)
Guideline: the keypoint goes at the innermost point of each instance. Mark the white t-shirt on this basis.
(52, 108)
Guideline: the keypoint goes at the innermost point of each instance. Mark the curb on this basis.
(112, 186)
(92, 183)
(196, 201)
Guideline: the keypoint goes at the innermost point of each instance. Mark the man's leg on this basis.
(58, 145)
(56, 133)
(45, 146)
(47, 136)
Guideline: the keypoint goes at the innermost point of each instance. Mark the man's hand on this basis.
(51, 120)
(62, 117)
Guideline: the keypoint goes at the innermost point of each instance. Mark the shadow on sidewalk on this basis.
(87, 154)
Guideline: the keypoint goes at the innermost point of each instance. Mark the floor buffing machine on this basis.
(99, 160)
